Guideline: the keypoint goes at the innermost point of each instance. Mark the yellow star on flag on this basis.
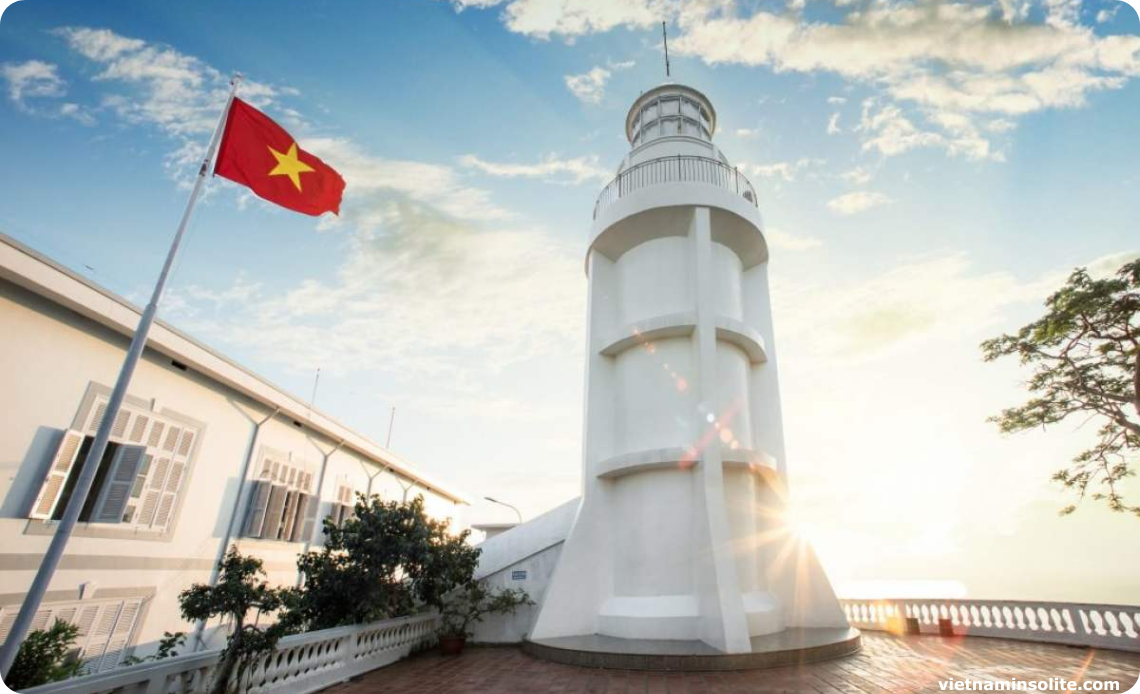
(289, 165)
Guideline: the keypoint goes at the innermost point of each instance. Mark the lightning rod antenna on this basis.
(665, 36)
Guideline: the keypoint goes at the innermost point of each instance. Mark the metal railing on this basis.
(301, 664)
(1074, 624)
(675, 169)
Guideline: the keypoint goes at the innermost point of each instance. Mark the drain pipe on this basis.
(224, 547)
(317, 497)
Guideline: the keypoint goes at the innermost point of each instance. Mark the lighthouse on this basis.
(681, 545)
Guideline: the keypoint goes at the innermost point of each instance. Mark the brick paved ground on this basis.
(886, 664)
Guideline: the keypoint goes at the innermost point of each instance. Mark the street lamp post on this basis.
(503, 503)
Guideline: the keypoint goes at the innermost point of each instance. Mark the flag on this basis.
(258, 153)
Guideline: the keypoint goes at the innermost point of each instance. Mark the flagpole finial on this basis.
(236, 79)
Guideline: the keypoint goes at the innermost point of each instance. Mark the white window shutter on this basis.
(289, 516)
(116, 487)
(312, 504)
(298, 531)
(57, 474)
(341, 513)
(259, 499)
(6, 623)
(100, 635)
(273, 510)
(121, 635)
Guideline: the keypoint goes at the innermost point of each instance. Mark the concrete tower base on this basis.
(788, 647)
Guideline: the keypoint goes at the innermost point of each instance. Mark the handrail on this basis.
(301, 664)
(1071, 623)
(675, 169)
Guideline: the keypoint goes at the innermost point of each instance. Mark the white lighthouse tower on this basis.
(681, 544)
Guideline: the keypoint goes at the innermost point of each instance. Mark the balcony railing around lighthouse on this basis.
(680, 168)
(1073, 624)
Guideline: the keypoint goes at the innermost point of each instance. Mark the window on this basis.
(105, 627)
(139, 478)
(281, 505)
(345, 506)
(671, 114)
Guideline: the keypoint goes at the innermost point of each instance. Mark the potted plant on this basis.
(467, 605)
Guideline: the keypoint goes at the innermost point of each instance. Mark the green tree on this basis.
(240, 590)
(46, 655)
(379, 564)
(1085, 354)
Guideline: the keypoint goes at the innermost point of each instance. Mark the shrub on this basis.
(380, 564)
(468, 605)
(46, 655)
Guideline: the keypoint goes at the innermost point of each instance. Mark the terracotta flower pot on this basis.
(451, 645)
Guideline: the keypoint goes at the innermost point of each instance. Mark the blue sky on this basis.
(928, 173)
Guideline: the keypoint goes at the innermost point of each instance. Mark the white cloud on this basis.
(982, 59)
(177, 93)
(572, 18)
(590, 86)
(782, 240)
(552, 169)
(785, 170)
(1105, 16)
(747, 133)
(418, 293)
(915, 301)
(37, 80)
(858, 175)
(859, 201)
(33, 78)
(833, 124)
(461, 5)
(371, 181)
(836, 100)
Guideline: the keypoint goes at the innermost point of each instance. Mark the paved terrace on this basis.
(886, 664)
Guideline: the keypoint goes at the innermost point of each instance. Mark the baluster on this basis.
(1129, 625)
(1112, 623)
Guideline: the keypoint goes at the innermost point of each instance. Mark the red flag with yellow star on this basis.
(258, 153)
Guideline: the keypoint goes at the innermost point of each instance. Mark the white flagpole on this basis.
(91, 464)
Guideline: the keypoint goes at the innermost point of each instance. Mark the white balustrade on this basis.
(1074, 624)
(301, 664)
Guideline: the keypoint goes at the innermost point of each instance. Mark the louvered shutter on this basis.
(170, 492)
(99, 636)
(121, 635)
(273, 510)
(117, 484)
(259, 499)
(97, 417)
(289, 515)
(61, 466)
(139, 428)
(6, 623)
(340, 514)
(154, 490)
(312, 504)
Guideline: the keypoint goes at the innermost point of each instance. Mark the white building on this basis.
(682, 532)
(172, 490)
